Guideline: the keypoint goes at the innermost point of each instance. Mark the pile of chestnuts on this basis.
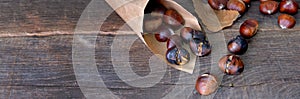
(230, 64)
(286, 7)
(164, 24)
(239, 5)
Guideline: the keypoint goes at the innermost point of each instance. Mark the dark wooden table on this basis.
(36, 55)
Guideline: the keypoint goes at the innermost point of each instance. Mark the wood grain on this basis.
(36, 55)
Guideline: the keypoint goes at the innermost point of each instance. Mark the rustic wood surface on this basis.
(36, 55)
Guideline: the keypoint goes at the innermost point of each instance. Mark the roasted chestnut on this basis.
(286, 21)
(237, 5)
(163, 34)
(199, 44)
(173, 18)
(177, 56)
(217, 4)
(200, 47)
(206, 84)
(186, 33)
(268, 7)
(288, 6)
(237, 45)
(231, 64)
(249, 28)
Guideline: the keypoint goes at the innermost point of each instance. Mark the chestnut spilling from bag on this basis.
(168, 30)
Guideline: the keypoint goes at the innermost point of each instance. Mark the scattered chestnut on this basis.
(249, 28)
(268, 7)
(186, 33)
(163, 34)
(286, 21)
(288, 6)
(237, 5)
(177, 56)
(231, 64)
(237, 45)
(206, 84)
(173, 18)
(217, 4)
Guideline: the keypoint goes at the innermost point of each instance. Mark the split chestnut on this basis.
(177, 56)
(231, 64)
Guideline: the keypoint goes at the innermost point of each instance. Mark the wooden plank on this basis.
(46, 63)
(39, 67)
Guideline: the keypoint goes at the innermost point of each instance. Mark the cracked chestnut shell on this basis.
(286, 21)
(237, 5)
(199, 45)
(249, 28)
(217, 4)
(173, 18)
(237, 45)
(177, 56)
(206, 84)
(231, 64)
(288, 6)
(268, 7)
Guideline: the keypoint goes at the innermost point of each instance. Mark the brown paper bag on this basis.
(132, 12)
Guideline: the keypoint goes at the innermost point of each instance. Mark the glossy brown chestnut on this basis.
(249, 28)
(173, 18)
(163, 34)
(177, 56)
(286, 21)
(231, 64)
(237, 5)
(237, 45)
(288, 6)
(206, 84)
(186, 33)
(268, 7)
(217, 4)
